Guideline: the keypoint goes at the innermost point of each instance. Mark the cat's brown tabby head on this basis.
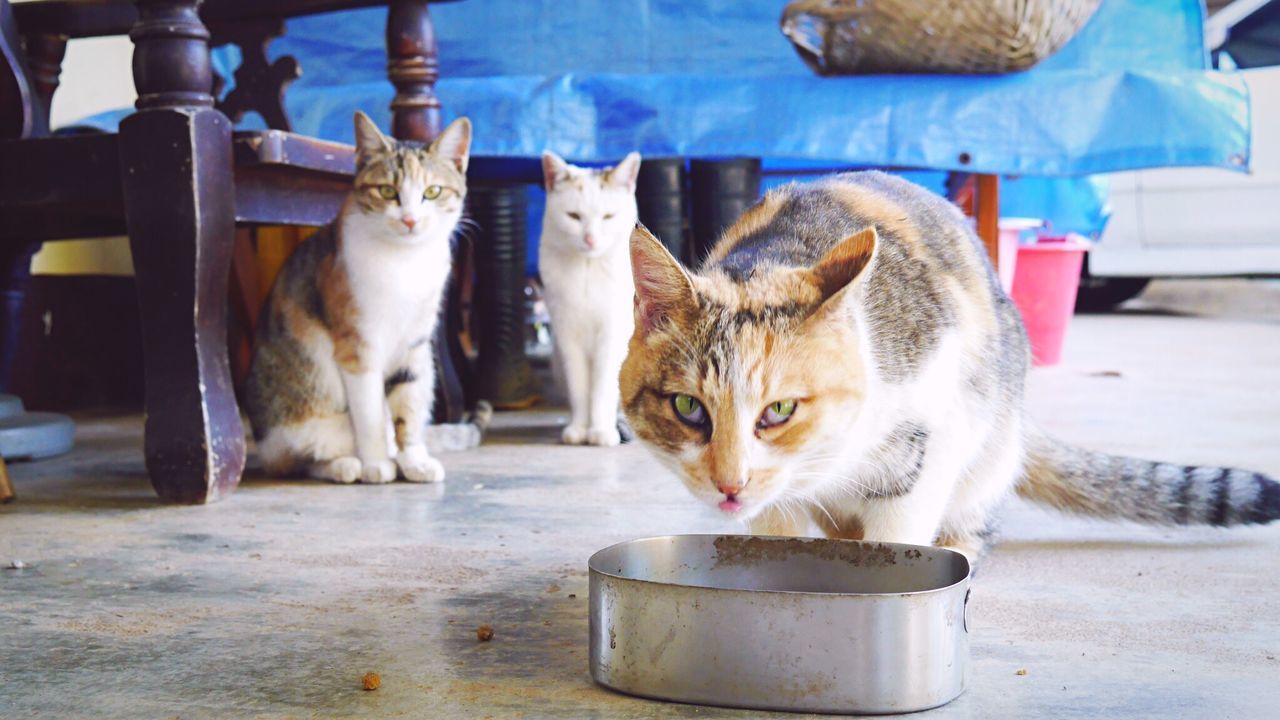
(743, 387)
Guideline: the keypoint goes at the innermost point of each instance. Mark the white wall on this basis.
(97, 75)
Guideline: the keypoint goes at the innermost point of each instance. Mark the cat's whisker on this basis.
(818, 504)
(842, 482)
(467, 228)
(793, 512)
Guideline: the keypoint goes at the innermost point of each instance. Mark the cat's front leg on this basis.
(577, 380)
(915, 516)
(367, 408)
(603, 429)
(410, 393)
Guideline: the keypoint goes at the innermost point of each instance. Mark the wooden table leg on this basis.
(415, 115)
(175, 155)
(987, 213)
(6, 486)
(413, 69)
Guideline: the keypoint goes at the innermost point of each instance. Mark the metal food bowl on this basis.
(833, 626)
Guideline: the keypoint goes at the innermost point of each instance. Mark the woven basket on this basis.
(845, 37)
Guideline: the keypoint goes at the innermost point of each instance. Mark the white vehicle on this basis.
(1195, 222)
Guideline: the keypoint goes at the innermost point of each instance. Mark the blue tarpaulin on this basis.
(703, 78)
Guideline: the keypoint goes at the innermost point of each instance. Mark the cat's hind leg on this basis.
(345, 470)
(970, 524)
(323, 445)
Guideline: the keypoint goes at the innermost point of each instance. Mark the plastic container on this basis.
(1011, 230)
(1044, 289)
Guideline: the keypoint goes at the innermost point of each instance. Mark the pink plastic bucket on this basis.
(1011, 230)
(1044, 289)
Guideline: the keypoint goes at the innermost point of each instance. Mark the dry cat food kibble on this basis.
(484, 633)
(371, 681)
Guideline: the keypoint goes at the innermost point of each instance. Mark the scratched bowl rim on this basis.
(594, 565)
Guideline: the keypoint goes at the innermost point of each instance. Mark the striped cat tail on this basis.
(1084, 482)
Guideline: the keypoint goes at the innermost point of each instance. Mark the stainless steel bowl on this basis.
(781, 623)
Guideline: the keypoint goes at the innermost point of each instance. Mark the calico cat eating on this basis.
(342, 376)
(585, 266)
(846, 358)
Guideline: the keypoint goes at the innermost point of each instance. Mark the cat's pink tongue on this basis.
(730, 505)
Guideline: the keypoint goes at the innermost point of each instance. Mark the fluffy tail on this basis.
(1107, 486)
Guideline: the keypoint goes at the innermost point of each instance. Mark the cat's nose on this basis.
(589, 241)
(730, 487)
(409, 222)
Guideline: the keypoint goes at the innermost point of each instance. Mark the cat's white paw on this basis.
(378, 472)
(604, 437)
(417, 466)
(574, 435)
(345, 470)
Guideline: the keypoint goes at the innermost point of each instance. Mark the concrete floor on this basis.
(275, 602)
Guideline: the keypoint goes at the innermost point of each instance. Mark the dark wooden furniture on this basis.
(178, 180)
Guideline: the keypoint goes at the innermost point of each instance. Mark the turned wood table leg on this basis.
(175, 155)
(413, 70)
(415, 115)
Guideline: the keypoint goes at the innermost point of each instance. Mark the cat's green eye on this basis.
(689, 409)
(574, 216)
(777, 413)
(387, 192)
(608, 216)
(432, 192)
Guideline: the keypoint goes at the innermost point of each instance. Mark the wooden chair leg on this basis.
(6, 486)
(987, 213)
(175, 156)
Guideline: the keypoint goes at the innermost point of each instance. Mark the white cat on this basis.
(585, 263)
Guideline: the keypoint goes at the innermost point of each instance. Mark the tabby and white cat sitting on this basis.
(585, 266)
(845, 358)
(342, 377)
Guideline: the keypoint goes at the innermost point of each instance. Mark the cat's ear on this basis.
(554, 169)
(624, 173)
(454, 144)
(844, 263)
(664, 291)
(369, 139)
